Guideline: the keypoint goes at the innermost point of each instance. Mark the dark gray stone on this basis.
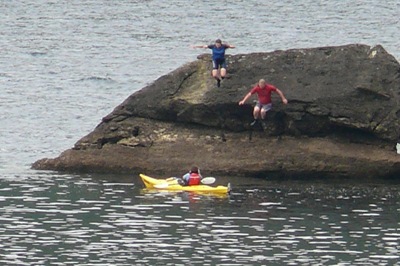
(341, 119)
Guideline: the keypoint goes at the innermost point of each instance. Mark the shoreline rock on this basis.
(341, 120)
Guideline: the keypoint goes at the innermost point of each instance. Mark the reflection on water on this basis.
(66, 220)
(66, 64)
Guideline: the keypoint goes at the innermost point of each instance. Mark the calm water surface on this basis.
(66, 64)
(55, 219)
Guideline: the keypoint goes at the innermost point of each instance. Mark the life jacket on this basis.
(194, 179)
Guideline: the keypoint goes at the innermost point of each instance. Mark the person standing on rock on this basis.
(218, 59)
(264, 103)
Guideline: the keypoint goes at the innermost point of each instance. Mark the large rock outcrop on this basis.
(342, 119)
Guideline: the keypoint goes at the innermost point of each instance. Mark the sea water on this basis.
(66, 64)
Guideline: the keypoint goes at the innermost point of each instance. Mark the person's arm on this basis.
(186, 176)
(284, 100)
(248, 95)
(199, 46)
(230, 46)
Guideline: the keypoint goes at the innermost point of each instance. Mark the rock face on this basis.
(342, 119)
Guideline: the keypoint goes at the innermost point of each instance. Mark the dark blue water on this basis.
(65, 65)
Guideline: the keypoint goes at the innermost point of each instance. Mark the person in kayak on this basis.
(192, 178)
(264, 103)
(218, 59)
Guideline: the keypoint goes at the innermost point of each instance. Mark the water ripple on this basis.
(63, 61)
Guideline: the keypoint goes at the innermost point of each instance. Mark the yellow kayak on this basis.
(172, 184)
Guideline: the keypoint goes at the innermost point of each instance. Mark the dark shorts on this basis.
(219, 63)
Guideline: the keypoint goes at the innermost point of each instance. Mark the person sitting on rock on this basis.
(218, 58)
(264, 103)
(192, 178)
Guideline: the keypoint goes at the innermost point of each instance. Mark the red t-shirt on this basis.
(264, 94)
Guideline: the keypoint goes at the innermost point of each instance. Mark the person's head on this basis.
(195, 169)
(261, 83)
(218, 42)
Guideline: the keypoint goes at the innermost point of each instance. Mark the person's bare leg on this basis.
(223, 73)
(256, 115)
(263, 113)
(216, 76)
(215, 73)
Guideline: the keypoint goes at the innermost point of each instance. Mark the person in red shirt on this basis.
(192, 178)
(264, 103)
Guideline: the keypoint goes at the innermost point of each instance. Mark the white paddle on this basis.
(208, 180)
(161, 185)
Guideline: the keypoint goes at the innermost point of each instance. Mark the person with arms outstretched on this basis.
(264, 103)
(218, 59)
